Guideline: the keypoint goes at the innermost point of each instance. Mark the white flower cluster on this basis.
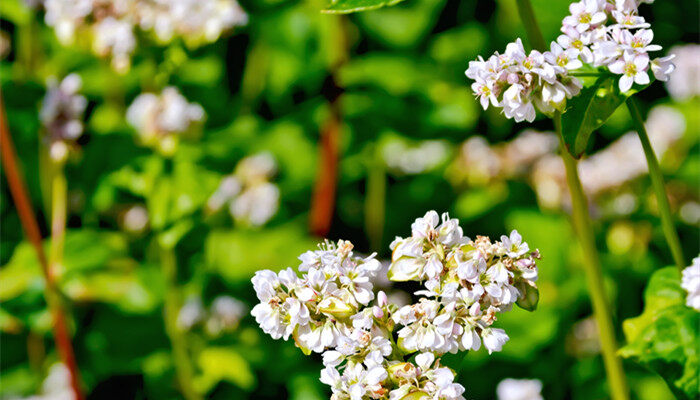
(160, 120)
(62, 115)
(327, 310)
(112, 22)
(518, 81)
(414, 159)
(519, 389)
(480, 163)
(691, 283)
(621, 46)
(224, 315)
(466, 284)
(252, 199)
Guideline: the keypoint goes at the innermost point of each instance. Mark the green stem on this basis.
(657, 182)
(594, 276)
(59, 196)
(375, 199)
(173, 303)
(534, 34)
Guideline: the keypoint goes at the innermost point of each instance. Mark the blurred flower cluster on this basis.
(691, 283)
(327, 310)
(252, 199)
(111, 24)
(161, 119)
(62, 115)
(519, 389)
(224, 315)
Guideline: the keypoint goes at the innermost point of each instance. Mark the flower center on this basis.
(584, 18)
(630, 69)
(562, 60)
(577, 44)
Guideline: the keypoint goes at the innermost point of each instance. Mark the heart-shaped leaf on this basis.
(589, 110)
(351, 6)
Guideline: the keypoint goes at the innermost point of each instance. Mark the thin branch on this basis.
(31, 229)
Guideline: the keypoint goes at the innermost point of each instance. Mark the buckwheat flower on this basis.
(61, 115)
(519, 389)
(662, 67)
(115, 37)
(685, 83)
(135, 219)
(514, 245)
(691, 283)
(257, 204)
(160, 120)
(633, 70)
(586, 13)
(190, 314)
(494, 339)
(567, 59)
(576, 41)
(225, 314)
(427, 379)
(357, 382)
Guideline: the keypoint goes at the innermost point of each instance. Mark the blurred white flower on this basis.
(56, 385)
(160, 120)
(62, 115)
(191, 314)
(414, 159)
(519, 389)
(135, 219)
(112, 22)
(225, 314)
(251, 198)
(685, 82)
(691, 283)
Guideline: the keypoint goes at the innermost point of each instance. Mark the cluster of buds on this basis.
(252, 199)
(518, 81)
(161, 120)
(381, 351)
(111, 23)
(622, 46)
(62, 116)
(224, 315)
(691, 283)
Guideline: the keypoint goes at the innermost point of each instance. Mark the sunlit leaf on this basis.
(664, 338)
(351, 6)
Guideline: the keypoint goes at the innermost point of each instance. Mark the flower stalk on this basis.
(375, 199)
(31, 229)
(619, 389)
(173, 303)
(594, 276)
(657, 182)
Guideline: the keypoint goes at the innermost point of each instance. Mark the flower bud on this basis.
(377, 312)
(529, 295)
(382, 300)
(401, 372)
(335, 307)
(419, 395)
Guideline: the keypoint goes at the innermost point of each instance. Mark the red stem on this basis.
(31, 229)
(323, 201)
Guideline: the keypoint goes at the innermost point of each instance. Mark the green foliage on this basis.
(589, 110)
(665, 337)
(351, 6)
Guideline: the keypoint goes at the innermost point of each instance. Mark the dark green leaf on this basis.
(664, 338)
(590, 109)
(350, 6)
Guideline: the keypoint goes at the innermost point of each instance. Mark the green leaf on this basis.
(351, 6)
(223, 364)
(664, 338)
(590, 109)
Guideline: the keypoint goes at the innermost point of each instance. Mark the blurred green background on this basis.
(394, 79)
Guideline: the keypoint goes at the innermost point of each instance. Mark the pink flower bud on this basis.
(382, 299)
(378, 313)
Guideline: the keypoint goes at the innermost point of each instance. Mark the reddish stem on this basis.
(31, 229)
(323, 201)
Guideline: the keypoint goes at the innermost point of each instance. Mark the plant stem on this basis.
(594, 276)
(657, 182)
(532, 28)
(31, 229)
(173, 303)
(59, 196)
(582, 225)
(375, 199)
